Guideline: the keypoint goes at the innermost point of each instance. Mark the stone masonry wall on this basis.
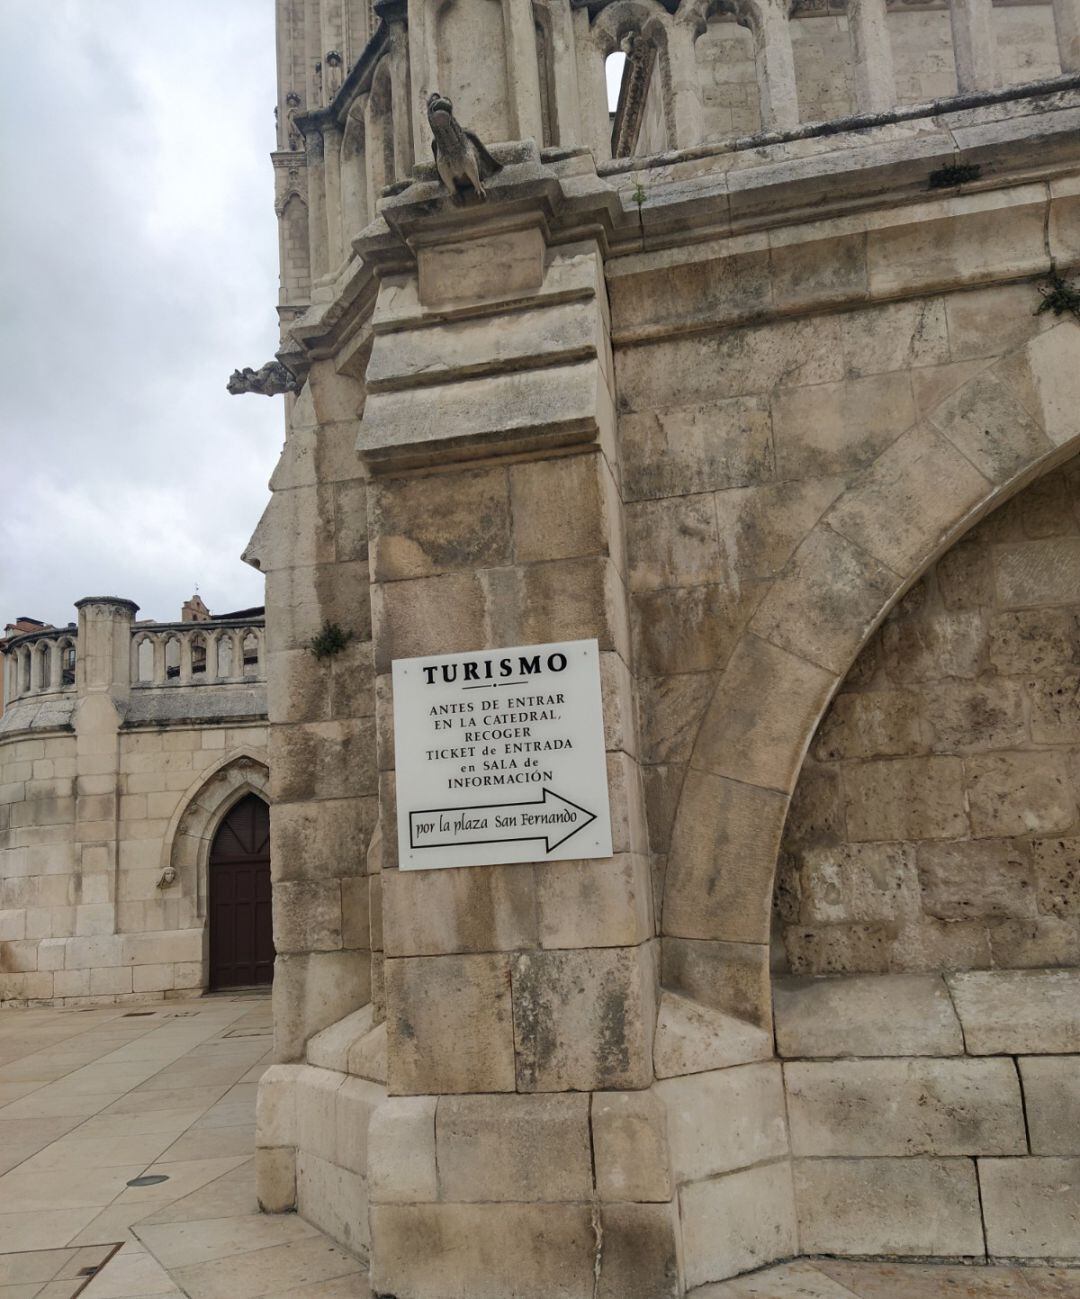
(935, 824)
(81, 854)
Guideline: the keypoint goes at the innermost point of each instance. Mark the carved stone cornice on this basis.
(881, 163)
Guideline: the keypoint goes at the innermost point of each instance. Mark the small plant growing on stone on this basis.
(639, 196)
(331, 640)
(1058, 297)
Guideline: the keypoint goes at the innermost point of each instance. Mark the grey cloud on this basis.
(139, 267)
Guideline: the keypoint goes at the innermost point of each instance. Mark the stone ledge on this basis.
(1018, 1012)
(865, 1015)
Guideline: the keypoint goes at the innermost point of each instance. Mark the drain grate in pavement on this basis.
(137, 1014)
(149, 1179)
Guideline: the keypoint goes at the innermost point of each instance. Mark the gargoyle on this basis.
(270, 379)
(460, 157)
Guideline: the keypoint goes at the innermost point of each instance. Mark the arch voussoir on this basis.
(970, 450)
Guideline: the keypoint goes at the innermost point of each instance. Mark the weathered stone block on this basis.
(1013, 1012)
(691, 628)
(1031, 1206)
(275, 1179)
(905, 798)
(834, 428)
(765, 703)
(330, 1048)
(423, 526)
(313, 990)
(401, 1151)
(471, 909)
(696, 448)
(692, 1038)
(596, 903)
(969, 879)
(1036, 573)
(719, 880)
(734, 1223)
(323, 760)
(1057, 875)
(825, 601)
(321, 840)
(334, 1199)
(905, 1107)
(947, 644)
(1052, 1103)
(865, 1015)
(858, 882)
(355, 1101)
(672, 542)
(559, 508)
(723, 1120)
(729, 977)
(484, 1251)
(875, 724)
(307, 916)
(630, 1146)
(442, 615)
(888, 1206)
(987, 423)
(449, 1026)
(529, 1148)
(275, 1106)
(497, 266)
(640, 1253)
(935, 483)
(583, 1020)
(1019, 793)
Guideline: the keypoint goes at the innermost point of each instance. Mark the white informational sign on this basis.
(500, 757)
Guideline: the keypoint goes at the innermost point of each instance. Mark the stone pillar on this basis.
(775, 67)
(1067, 23)
(103, 688)
(685, 85)
(520, 999)
(334, 214)
(875, 84)
(973, 44)
(316, 183)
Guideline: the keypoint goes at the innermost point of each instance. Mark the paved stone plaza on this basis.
(91, 1099)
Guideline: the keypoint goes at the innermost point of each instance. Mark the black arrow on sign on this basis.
(460, 832)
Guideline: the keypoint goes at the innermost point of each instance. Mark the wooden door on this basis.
(241, 927)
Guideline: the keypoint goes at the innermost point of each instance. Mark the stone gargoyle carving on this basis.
(460, 157)
(270, 379)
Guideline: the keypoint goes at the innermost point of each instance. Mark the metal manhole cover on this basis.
(149, 1179)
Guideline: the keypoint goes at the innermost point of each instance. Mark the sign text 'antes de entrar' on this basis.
(500, 757)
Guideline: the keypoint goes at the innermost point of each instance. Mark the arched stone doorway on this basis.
(239, 911)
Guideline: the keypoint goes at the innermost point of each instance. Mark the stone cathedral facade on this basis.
(769, 382)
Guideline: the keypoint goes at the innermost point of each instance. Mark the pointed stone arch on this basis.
(186, 845)
(1006, 425)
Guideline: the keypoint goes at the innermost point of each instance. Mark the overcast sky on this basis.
(139, 262)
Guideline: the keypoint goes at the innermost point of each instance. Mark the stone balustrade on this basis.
(40, 663)
(197, 654)
(226, 652)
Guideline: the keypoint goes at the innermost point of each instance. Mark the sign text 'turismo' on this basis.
(500, 756)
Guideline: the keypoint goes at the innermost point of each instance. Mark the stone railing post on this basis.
(973, 44)
(775, 66)
(875, 85)
(103, 687)
(1067, 25)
